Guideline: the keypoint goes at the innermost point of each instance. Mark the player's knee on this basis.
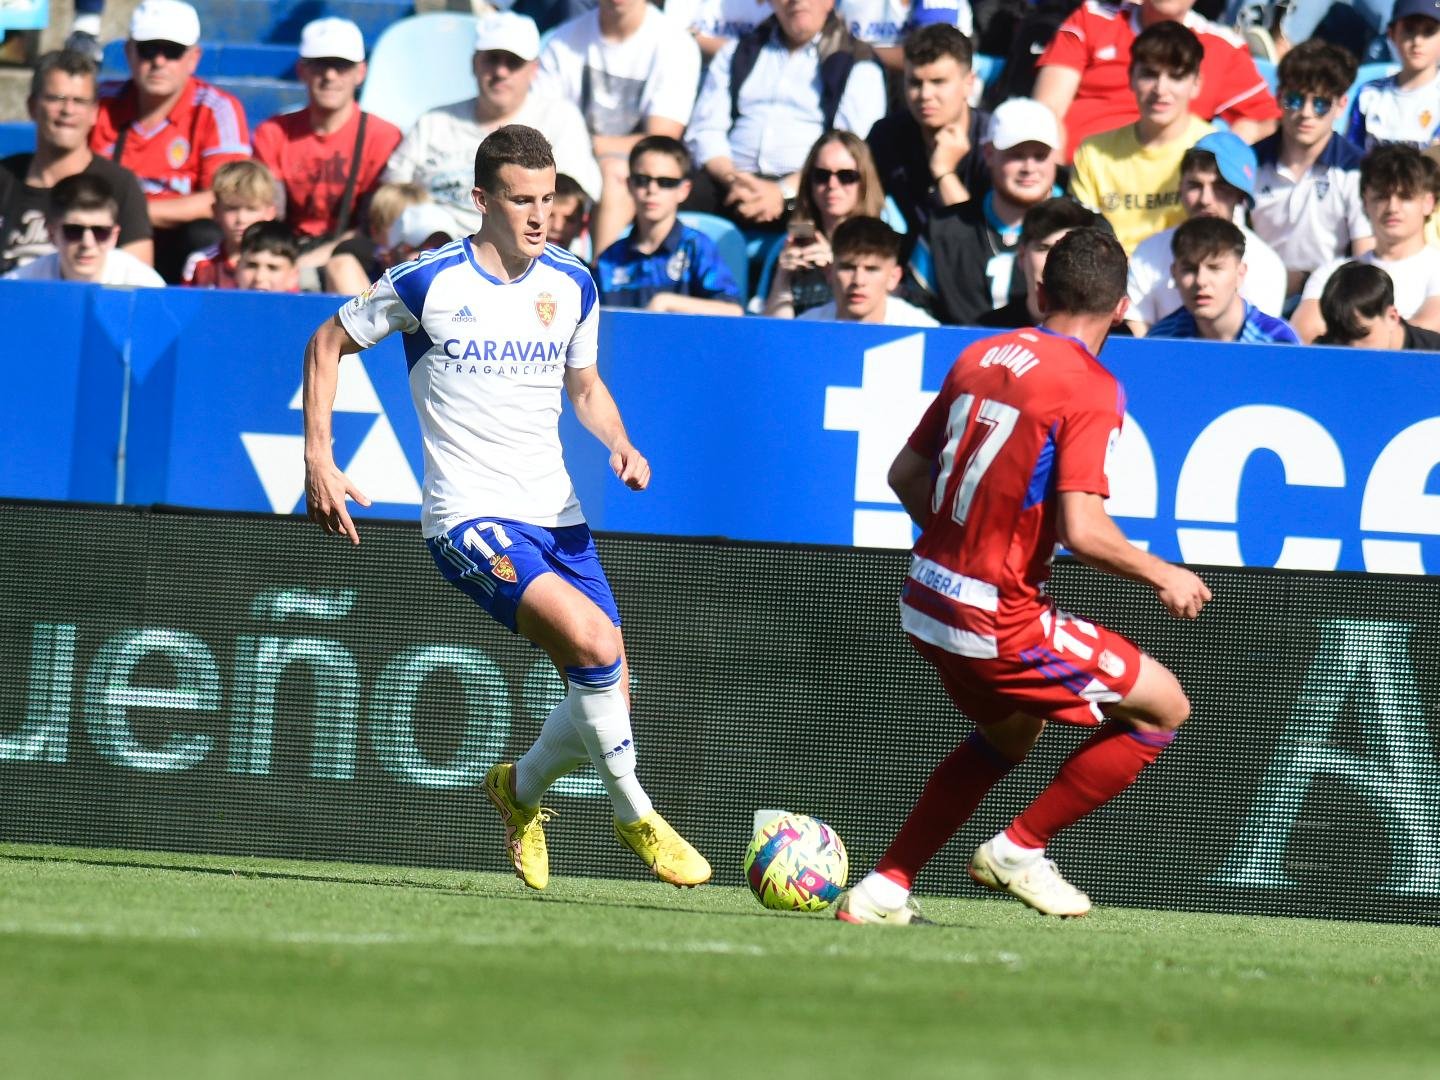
(1175, 711)
(596, 642)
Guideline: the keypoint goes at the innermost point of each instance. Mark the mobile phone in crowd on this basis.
(801, 232)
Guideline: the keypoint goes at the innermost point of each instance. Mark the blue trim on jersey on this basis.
(1066, 337)
(412, 280)
(575, 270)
(594, 678)
(474, 262)
(1040, 479)
(417, 344)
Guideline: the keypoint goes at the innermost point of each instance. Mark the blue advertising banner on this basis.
(758, 429)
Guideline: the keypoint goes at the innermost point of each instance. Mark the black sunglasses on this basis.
(845, 176)
(668, 183)
(149, 50)
(1294, 101)
(75, 233)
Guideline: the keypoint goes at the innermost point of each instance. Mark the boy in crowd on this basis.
(245, 193)
(1132, 174)
(1307, 193)
(865, 269)
(1217, 177)
(1397, 186)
(570, 217)
(84, 226)
(664, 265)
(967, 258)
(1045, 226)
(1404, 107)
(1359, 308)
(268, 256)
(1208, 269)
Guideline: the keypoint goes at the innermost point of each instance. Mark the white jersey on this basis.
(1416, 278)
(121, 268)
(1383, 113)
(487, 365)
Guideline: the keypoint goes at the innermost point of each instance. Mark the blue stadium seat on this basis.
(241, 22)
(1269, 71)
(728, 239)
(16, 137)
(420, 63)
(987, 68)
(1367, 73)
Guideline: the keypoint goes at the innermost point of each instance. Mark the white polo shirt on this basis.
(1152, 290)
(1416, 279)
(1310, 219)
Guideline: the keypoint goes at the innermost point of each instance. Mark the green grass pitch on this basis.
(126, 964)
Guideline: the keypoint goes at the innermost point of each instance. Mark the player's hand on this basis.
(631, 467)
(1182, 592)
(326, 489)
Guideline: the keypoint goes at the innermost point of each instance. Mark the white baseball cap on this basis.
(420, 221)
(1022, 120)
(331, 37)
(508, 32)
(165, 20)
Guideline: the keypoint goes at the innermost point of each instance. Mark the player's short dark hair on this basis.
(1355, 291)
(1085, 272)
(271, 238)
(83, 191)
(65, 61)
(1396, 169)
(1167, 46)
(567, 187)
(513, 144)
(860, 236)
(672, 148)
(926, 44)
(1051, 216)
(1318, 67)
(1205, 238)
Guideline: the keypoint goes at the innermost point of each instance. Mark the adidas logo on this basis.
(463, 315)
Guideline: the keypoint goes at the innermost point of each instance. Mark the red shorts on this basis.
(1068, 676)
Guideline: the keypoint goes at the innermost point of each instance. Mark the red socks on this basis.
(951, 795)
(1102, 767)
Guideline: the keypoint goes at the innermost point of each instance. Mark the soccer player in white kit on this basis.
(494, 325)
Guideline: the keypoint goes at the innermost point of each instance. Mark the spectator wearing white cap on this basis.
(632, 72)
(439, 151)
(328, 155)
(170, 129)
(966, 258)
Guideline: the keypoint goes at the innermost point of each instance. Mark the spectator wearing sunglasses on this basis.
(664, 265)
(837, 182)
(84, 227)
(1307, 190)
(171, 129)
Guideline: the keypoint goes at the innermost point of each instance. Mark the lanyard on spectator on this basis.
(347, 200)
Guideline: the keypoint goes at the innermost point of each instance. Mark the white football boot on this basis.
(857, 906)
(1037, 883)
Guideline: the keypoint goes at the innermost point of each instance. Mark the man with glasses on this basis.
(439, 151)
(83, 228)
(1307, 191)
(171, 129)
(663, 265)
(328, 155)
(62, 103)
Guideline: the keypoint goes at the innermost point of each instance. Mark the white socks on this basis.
(556, 753)
(887, 894)
(1011, 853)
(602, 720)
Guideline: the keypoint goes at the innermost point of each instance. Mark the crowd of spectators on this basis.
(844, 138)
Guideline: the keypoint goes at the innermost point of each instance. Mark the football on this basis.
(796, 863)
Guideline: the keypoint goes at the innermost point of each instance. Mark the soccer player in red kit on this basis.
(1009, 459)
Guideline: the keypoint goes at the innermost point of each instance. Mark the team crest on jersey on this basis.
(177, 152)
(678, 264)
(545, 308)
(1425, 117)
(1111, 664)
(503, 568)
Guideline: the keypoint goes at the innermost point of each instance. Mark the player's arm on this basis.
(1088, 531)
(910, 477)
(596, 409)
(326, 487)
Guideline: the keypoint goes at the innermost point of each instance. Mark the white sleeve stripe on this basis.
(1261, 85)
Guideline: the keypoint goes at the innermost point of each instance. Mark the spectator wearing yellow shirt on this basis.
(1132, 175)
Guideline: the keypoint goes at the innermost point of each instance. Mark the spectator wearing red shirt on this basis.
(314, 151)
(171, 129)
(1083, 74)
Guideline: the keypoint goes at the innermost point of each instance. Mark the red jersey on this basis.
(208, 268)
(1020, 418)
(178, 156)
(314, 166)
(1095, 40)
